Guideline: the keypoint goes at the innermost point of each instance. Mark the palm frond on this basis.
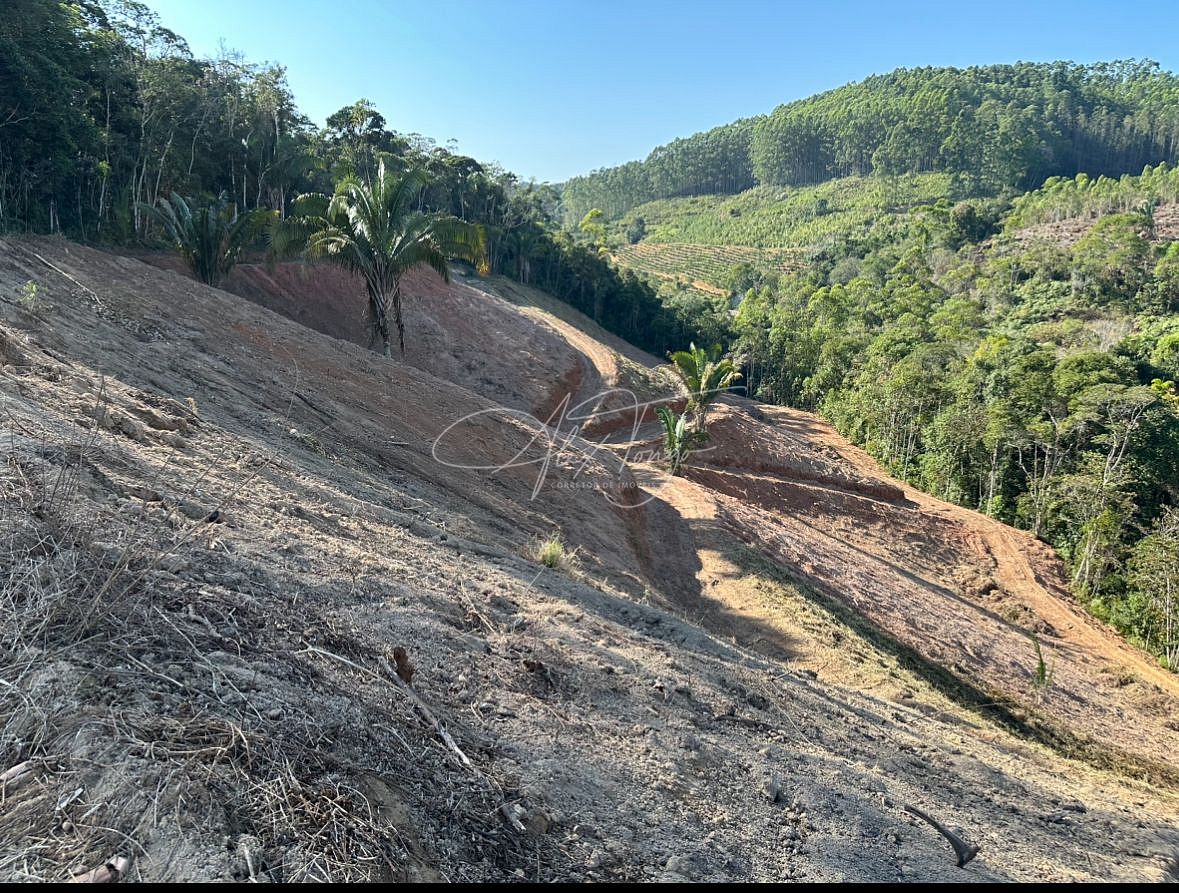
(375, 231)
(210, 239)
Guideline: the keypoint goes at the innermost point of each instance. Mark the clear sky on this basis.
(553, 88)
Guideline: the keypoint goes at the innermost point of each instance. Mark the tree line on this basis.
(994, 127)
(105, 113)
(716, 161)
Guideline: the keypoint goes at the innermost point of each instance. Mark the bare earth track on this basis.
(218, 520)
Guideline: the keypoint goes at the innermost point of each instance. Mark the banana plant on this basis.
(679, 440)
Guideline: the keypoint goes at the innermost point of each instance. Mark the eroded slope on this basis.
(216, 523)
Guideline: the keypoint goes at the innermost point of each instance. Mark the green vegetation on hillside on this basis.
(716, 161)
(1014, 353)
(712, 264)
(210, 238)
(1028, 377)
(784, 217)
(1083, 196)
(993, 127)
(104, 112)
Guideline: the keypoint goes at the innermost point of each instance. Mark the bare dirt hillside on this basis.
(946, 587)
(223, 532)
(1069, 231)
(528, 352)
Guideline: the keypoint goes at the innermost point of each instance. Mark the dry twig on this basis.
(426, 713)
(964, 850)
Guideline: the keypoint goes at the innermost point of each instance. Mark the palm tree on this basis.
(211, 238)
(376, 231)
(706, 376)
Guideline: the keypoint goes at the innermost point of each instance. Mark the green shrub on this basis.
(679, 440)
(28, 295)
(553, 553)
(1042, 675)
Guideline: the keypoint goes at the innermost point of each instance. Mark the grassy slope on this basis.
(702, 237)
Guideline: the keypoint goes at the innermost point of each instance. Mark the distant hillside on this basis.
(993, 127)
(1021, 362)
(783, 216)
(994, 351)
(702, 252)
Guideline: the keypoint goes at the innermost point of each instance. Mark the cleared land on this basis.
(218, 522)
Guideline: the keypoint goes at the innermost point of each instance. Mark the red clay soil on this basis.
(962, 591)
(514, 351)
(959, 589)
(743, 673)
(399, 415)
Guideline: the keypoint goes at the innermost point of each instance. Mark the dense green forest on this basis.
(1018, 357)
(993, 127)
(104, 111)
(716, 161)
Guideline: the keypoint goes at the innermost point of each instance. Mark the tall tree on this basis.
(1154, 570)
(376, 231)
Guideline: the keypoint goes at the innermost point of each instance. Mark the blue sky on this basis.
(553, 89)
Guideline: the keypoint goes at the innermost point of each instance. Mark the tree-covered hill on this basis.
(982, 289)
(1017, 357)
(1015, 353)
(716, 161)
(993, 127)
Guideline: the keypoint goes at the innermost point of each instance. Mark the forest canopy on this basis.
(1018, 357)
(995, 127)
